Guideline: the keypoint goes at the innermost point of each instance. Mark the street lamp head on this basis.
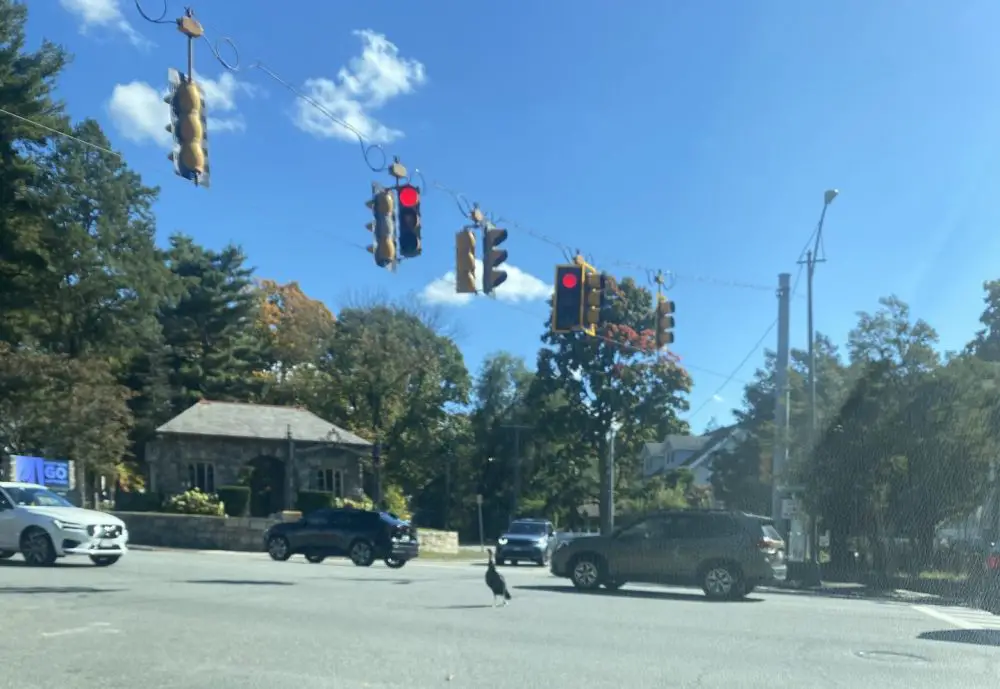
(829, 195)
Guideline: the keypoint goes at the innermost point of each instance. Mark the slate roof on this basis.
(257, 421)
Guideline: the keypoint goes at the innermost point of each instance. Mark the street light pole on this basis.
(812, 258)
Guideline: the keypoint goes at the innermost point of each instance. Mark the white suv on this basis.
(43, 526)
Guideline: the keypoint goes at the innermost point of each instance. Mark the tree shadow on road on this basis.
(870, 594)
(58, 563)
(635, 593)
(377, 580)
(459, 607)
(980, 637)
(240, 582)
(55, 589)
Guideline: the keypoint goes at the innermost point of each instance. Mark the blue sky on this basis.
(695, 138)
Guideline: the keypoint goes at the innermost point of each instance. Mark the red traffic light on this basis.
(570, 281)
(409, 196)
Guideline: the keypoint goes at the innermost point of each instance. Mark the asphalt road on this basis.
(160, 620)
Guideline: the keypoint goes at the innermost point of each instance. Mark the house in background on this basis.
(692, 452)
(276, 451)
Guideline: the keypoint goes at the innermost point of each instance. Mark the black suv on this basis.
(726, 553)
(362, 535)
(527, 539)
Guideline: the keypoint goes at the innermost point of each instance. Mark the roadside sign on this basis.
(789, 508)
(479, 498)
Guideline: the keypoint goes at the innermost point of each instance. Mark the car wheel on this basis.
(362, 554)
(7, 554)
(613, 585)
(393, 563)
(722, 581)
(278, 548)
(586, 572)
(104, 560)
(543, 561)
(37, 548)
(315, 559)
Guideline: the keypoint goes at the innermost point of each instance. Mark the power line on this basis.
(760, 342)
(60, 133)
(367, 148)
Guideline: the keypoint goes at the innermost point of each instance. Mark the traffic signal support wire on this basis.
(368, 149)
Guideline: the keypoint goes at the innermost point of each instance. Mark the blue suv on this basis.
(532, 540)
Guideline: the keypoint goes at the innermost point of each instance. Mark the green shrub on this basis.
(235, 499)
(362, 503)
(397, 503)
(194, 502)
(312, 500)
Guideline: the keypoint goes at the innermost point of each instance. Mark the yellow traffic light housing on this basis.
(664, 322)
(465, 262)
(567, 301)
(592, 299)
(383, 229)
(493, 258)
(189, 126)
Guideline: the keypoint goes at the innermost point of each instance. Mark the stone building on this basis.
(276, 451)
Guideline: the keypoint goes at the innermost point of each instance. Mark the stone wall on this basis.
(232, 533)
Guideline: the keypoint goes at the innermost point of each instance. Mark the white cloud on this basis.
(103, 14)
(520, 286)
(367, 83)
(139, 114)
(718, 399)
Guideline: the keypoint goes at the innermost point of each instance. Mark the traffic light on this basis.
(593, 299)
(465, 262)
(383, 229)
(664, 322)
(189, 126)
(493, 258)
(567, 303)
(409, 221)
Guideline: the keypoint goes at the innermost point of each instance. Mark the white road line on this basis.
(945, 617)
(94, 627)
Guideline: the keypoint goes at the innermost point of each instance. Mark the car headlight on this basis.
(501, 541)
(68, 526)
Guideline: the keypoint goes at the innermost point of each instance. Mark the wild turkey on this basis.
(496, 581)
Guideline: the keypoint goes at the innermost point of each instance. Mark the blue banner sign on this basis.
(51, 473)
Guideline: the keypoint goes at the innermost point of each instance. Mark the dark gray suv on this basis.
(533, 540)
(726, 553)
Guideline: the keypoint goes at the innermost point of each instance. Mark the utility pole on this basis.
(516, 470)
(607, 507)
(779, 459)
(812, 575)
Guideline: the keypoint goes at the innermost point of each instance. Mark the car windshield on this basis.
(37, 497)
(526, 528)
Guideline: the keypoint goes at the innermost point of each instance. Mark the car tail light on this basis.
(769, 545)
(993, 561)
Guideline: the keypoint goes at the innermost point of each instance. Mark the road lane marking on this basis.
(945, 617)
(92, 628)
